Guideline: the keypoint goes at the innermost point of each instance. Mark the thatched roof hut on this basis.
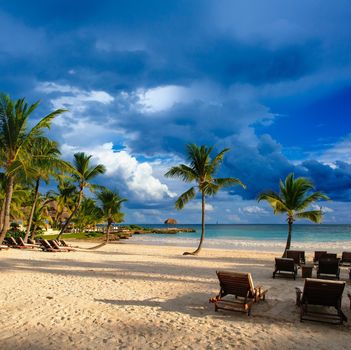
(171, 221)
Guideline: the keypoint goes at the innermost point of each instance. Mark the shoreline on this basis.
(242, 244)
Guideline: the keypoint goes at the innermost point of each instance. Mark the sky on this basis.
(269, 79)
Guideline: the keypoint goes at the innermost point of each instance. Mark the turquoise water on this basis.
(301, 233)
(257, 237)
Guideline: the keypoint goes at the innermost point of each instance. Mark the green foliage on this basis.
(294, 197)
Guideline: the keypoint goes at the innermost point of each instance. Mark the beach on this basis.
(133, 296)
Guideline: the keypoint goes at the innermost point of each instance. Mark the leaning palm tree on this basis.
(110, 204)
(294, 198)
(44, 163)
(201, 170)
(83, 174)
(14, 141)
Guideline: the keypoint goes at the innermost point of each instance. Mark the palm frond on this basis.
(185, 198)
(312, 215)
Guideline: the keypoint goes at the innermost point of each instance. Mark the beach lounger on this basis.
(318, 254)
(345, 258)
(319, 294)
(55, 245)
(47, 247)
(297, 255)
(21, 243)
(17, 244)
(4, 247)
(329, 268)
(241, 287)
(64, 243)
(285, 266)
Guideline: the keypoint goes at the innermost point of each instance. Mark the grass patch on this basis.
(80, 235)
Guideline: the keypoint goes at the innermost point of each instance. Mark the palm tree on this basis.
(201, 170)
(294, 198)
(45, 162)
(88, 214)
(84, 173)
(111, 208)
(62, 201)
(14, 141)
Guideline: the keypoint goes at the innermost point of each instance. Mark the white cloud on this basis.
(323, 208)
(160, 98)
(339, 151)
(138, 177)
(197, 206)
(254, 209)
(76, 98)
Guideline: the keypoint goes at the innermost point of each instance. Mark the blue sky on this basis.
(141, 79)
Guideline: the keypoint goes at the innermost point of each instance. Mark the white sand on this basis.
(132, 296)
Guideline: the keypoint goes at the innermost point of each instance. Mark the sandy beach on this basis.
(135, 296)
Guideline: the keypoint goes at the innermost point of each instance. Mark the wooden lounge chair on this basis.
(55, 245)
(297, 255)
(329, 267)
(64, 243)
(239, 285)
(318, 254)
(320, 293)
(285, 266)
(47, 247)
(345, 258)
(22, 244)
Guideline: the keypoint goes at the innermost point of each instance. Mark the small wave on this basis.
(242, 244)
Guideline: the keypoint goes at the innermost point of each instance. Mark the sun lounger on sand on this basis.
(297, 255)
(3, 246)
(55, 245)
(319, 294)
(241, 287)
(21, 243)
(47, 247)
(318, 254)
(285, 266)
(345, 258)
(328, 267)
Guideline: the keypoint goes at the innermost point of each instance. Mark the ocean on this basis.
(334, 238)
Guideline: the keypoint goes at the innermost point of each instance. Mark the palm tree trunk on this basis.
(288, 241)
(8, 198)
(72, 214)
(108, 231)
(202, 226)
(2, 212)
(34, 231)
(36, 193)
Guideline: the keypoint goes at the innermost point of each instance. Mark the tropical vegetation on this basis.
(29, 158)
(201, 170)
(294, 199)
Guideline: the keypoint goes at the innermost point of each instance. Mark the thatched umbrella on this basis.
(171, 221)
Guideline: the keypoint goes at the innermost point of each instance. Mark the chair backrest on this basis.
(64, 243)
(329, 256)
(322, 292)
(21, 241)
(31, 241)
(318, 254)
(285, 264)
(328, 266)
(54, 244)
(346, 257)
(12, 241)
(297, 255)
(46, 244)
(236, 283)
